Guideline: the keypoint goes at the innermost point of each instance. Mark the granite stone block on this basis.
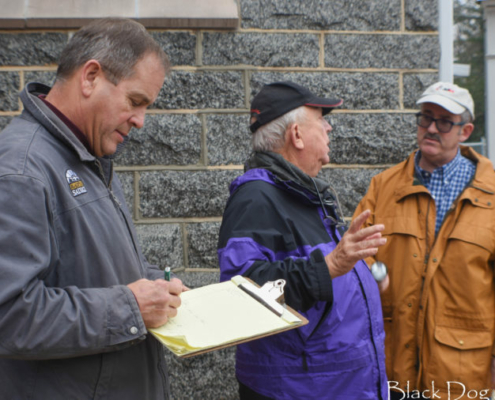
(127, 181)
(198, 90)
(195, 279)
(349, 184)
(360, 91)
(162, 244)
(372, 138)
(164, 140)
(382, 51)
(414, 86)
(181, 194)
(4, 121)
(228, 139)
(275, 35)
(209, 376)
(354, 15)
(9, 91)
(45, 77)
(206, 376)
(421, 15)
(202, 239)
(261, 49)
(179, 46)
(31, 48)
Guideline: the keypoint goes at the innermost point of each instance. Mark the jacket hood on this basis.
(50, 121)
(483, 165)
(273, 168)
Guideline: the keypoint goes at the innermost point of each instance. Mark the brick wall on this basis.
(377, 55)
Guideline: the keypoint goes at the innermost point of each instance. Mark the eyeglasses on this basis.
(443, 125)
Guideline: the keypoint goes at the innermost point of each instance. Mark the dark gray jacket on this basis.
(69, 327)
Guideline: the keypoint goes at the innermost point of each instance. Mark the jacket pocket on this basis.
(474, 234)
(463, 339)
(460, 355)
(401, 225)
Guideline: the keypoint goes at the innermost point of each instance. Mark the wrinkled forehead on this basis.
(437, 111)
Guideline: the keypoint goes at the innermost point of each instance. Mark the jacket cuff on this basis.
(125, 324)
(324, 280)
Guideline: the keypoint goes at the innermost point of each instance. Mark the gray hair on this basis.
(466, 117)
(116, 43)
(271, 137)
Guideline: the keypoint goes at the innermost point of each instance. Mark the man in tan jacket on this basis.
(438, 208)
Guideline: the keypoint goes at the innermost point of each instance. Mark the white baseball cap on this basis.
(449, 96)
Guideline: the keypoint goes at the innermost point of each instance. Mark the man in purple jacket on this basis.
(283, 223)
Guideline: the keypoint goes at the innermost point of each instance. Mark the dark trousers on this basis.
(246, 393)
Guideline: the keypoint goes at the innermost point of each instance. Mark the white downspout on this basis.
(446, 36)
(489, 15)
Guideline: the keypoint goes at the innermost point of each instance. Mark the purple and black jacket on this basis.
(274, 227)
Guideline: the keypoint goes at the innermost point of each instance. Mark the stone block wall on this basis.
(377, 55)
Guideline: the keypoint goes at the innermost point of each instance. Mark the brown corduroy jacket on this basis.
(439, 309)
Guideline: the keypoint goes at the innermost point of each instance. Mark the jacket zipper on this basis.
(425, 267)
(119, 207)
(304, 362)
(109, 184)
(427, 253)
(371, 335)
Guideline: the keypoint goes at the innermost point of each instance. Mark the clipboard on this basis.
(226, 314)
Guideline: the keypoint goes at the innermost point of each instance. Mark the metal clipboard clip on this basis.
(270, 294)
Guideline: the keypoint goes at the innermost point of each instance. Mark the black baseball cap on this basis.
(278, 98)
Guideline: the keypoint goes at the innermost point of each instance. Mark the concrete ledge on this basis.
(35, 14)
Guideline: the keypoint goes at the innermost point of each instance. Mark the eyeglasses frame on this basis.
(435, 120)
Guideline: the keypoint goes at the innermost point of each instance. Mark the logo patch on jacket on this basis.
(75, 183)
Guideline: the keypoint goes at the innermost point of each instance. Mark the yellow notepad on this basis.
(222, 315)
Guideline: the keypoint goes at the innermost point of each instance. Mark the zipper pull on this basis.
(114, 197)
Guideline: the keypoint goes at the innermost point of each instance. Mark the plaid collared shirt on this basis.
(446, 182)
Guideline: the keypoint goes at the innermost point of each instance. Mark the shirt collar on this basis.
(75, 130)
(445, 171)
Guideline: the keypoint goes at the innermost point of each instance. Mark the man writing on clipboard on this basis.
(76, 293)
(283, 223)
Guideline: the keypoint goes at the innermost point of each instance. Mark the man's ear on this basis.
(91, 73)
(294, 136)
(466, 131)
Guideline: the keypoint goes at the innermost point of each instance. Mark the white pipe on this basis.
(489, 15)
(446, 36)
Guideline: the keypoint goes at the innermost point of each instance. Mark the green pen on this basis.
(167, 273)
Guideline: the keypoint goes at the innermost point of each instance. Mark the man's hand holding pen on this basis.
(158, 300)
